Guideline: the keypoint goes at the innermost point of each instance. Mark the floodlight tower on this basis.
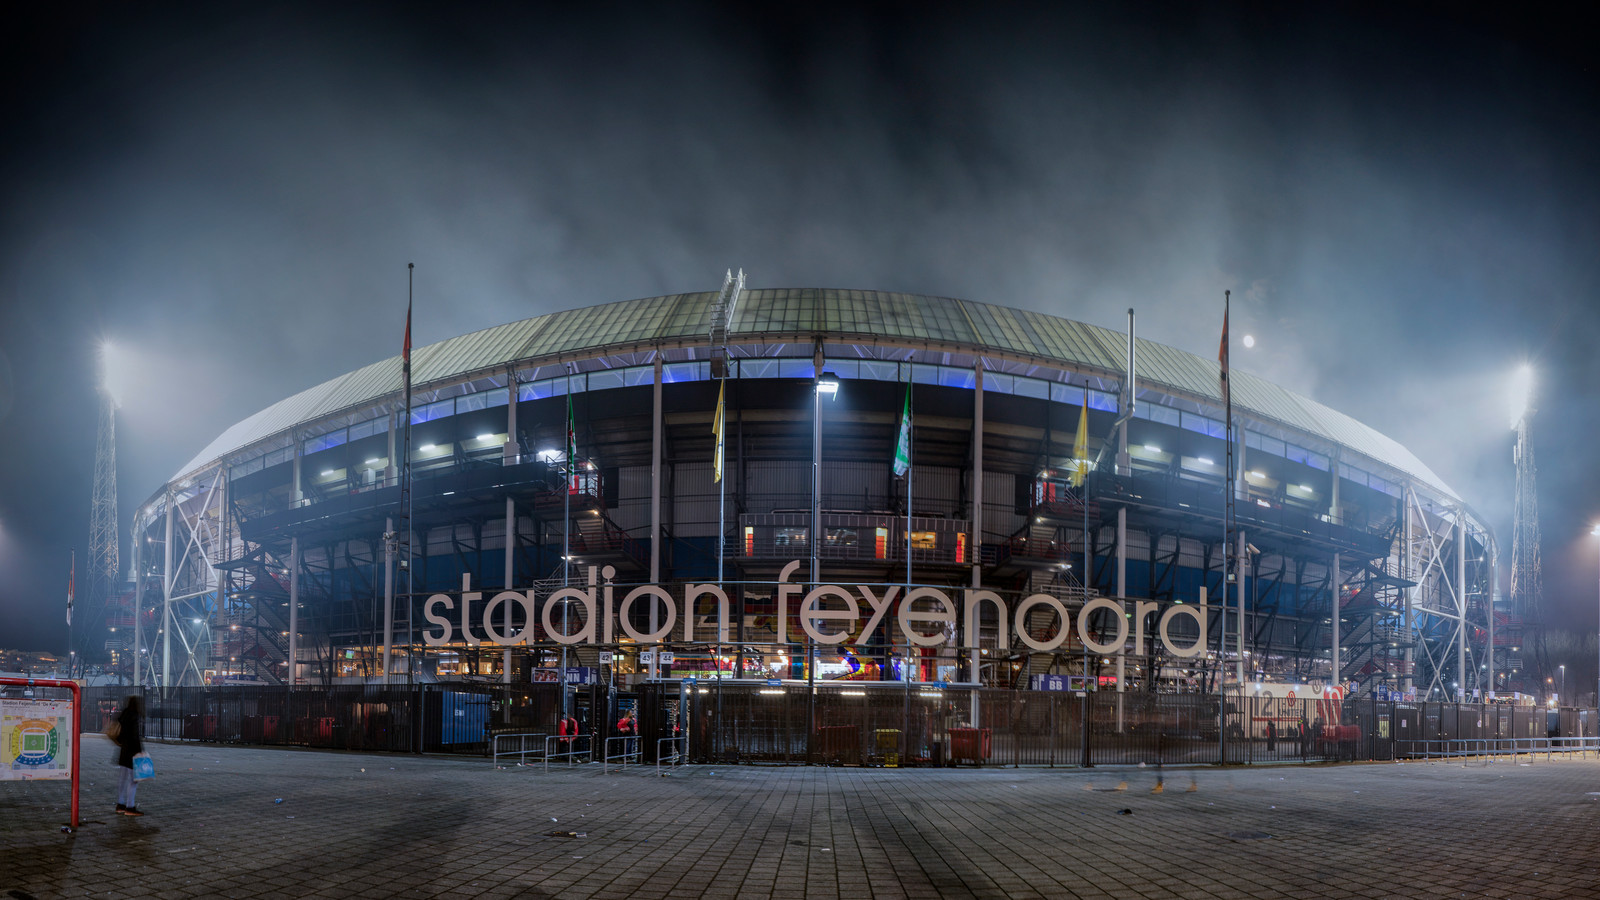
(103, 541)
(1527, 590)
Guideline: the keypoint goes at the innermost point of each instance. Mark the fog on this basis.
(1402, 204)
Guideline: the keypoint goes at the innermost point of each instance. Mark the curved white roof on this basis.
(785, 314)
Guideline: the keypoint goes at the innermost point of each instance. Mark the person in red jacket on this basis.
(628, 727)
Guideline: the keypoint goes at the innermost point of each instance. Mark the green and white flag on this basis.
(902, 447)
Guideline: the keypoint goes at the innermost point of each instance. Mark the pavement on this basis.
(368, 826)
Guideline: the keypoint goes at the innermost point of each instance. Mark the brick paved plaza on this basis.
(370, 826)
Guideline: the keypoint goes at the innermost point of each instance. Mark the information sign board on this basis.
(35, 739)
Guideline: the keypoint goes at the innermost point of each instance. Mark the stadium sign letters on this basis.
(927, 616)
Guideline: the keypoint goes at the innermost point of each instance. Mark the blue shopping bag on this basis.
(143, 766)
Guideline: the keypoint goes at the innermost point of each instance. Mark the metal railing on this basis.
(630, 751)
(568, 747)
(677, 757)
(501, 742)
(1490, 749)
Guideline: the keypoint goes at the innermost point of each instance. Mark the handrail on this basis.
(572, 752)
(522, 747)
(623, 757)
(1490, 749)
(677, 757)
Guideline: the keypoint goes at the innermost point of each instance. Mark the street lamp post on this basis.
(1596, 533)
(825, 383)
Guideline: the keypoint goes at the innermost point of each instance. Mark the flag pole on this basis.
(722, 484)
(405, 485)
(72, 577)
(566, 531)
(1229, 559)
(902, 466)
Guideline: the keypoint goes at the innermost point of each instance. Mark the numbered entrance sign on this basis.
(646, 657)
(666, 658)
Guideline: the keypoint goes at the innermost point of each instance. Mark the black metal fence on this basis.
(884, 724)
(433, 718)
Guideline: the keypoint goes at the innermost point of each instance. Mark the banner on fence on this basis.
(35, 739)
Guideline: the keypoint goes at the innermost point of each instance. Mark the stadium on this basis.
(561, 519)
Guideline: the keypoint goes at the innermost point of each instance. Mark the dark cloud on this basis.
(1400, 197)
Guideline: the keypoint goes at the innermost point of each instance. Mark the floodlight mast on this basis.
(1527, 591)
(1596, 532)
(103, 536)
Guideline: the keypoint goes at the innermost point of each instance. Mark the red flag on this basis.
(405, 352)
(1222, 351)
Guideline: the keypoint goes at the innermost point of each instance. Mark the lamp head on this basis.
(1521, 393)
(828, 383)
(110, 375)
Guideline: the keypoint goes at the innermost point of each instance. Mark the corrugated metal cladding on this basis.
(778, 484)
(694, 509)
(632, 513)
(934, 491)
(1000, 519)
(788, 314)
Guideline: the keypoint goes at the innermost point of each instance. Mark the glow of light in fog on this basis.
(1521, 393)
(1249, 341)
(112, 372)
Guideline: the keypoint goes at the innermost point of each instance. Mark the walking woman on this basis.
(129, 723)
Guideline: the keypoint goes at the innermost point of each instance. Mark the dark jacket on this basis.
(128, 739)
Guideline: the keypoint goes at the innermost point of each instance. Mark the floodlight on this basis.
(485, 437)
(828, 383)
(1521, 393)
(1152, 448)
(110, 375)
(1204, 461)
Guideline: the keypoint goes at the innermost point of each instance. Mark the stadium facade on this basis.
(571, 458)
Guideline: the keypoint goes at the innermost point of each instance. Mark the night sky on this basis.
(1403, 199)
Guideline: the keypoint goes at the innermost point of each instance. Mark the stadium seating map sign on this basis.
(35, 739)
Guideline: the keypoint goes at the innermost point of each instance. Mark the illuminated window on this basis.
(840, 537)
(923, 540)
(788, 537)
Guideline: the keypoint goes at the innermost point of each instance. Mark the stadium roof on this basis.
(790, 314)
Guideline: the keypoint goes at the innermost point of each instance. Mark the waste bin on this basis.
(840, 744)
(200, 728)
(886, 743)
(969, 745)
(259, 729)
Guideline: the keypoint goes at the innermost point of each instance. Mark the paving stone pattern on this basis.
(411, 826)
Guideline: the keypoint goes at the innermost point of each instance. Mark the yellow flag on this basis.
(716, 432)
(1080, 445)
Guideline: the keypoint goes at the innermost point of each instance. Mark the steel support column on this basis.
(166, 597)
(294, 612)
(655, 505)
